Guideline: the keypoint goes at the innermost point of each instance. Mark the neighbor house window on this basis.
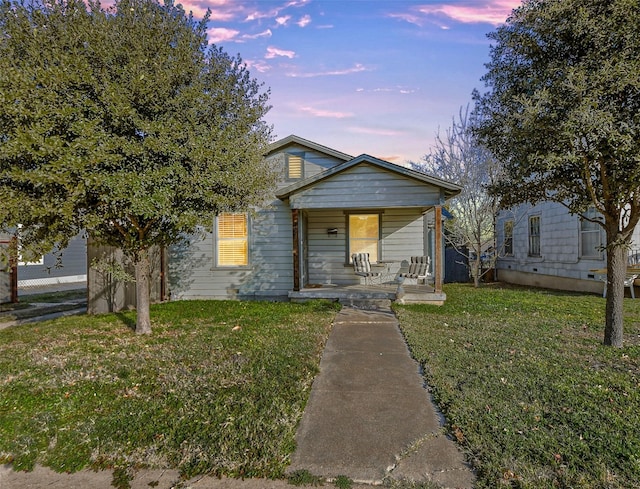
(364, 235)
(295, 167)
(590, 235)
(534, 236)
(232, 240)
(508, 238)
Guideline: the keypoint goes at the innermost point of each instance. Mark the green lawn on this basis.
(219, 388)
(528, 388)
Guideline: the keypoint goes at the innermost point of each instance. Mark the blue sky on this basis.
(375, 77)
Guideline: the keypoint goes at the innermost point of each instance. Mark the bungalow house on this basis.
(545, 246)
(327, 206)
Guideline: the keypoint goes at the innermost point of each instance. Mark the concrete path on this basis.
(369, 416)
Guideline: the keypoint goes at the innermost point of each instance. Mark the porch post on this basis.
(437, 268)
(296, 249)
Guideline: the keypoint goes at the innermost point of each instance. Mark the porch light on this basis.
(332, 231)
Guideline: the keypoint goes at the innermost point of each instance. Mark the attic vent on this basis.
(294, 165)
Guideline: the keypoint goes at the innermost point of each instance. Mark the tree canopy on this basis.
(123, 122)
(562, 113)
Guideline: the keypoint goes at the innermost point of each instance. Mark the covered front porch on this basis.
(358, 294)
(373, 207)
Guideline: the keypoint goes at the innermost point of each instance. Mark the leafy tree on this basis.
(458, 157)
(562, 112)
(123, 123)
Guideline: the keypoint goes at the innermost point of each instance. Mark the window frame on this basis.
(216, 242)
(507, 238)
(595, 253)
(535, 241)
(348, 251)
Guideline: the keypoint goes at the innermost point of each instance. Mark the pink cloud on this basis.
(221, 10)
(304, 21)
(375, 131)
(493, 12)
(221, 34)
(273, 12)
(326, 113)
(284, 20)
(348, 71)
(266, 33)
(260, 65)
(273, 52)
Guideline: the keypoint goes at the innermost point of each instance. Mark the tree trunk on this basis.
(476, 271)
(142, 272)
(616, 272)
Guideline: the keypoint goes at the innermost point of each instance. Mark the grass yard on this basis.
(218, 388)
(527, 387)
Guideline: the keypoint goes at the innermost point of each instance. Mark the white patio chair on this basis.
(362, 267)
(418, 269)
(629, 281)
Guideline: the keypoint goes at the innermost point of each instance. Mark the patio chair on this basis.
(362, 267)
(418, 269)
(629, 281)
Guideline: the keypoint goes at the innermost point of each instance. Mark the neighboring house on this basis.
(545, 246)
(327, 206)
(70, 267)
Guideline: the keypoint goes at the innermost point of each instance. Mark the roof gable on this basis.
(296, 140)
(448, 188)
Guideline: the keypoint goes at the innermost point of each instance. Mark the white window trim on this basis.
(592, 254)
(348, 260)
(217, 266)
(530, 236)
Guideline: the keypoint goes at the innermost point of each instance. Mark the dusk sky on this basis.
(375, 77)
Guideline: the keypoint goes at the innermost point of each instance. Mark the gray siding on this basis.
(313, 163)
(72, 267)
(368, 187)
(192, 272)
(559, 246)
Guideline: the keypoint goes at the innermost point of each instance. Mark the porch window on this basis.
(295, 166)
(590, 236)
(508, 238)
(534, 236)
(364, 235)
(232, 240)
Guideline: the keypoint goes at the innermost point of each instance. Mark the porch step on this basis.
(367, 304)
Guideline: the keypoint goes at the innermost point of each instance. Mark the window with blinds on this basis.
(232, 239)
(295, 168)
(364, 235)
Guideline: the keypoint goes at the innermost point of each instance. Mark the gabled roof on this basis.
(297, 140)
(450, 189)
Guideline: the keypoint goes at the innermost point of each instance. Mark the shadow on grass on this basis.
(128, 321)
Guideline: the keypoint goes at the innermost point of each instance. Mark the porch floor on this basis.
(352, 294)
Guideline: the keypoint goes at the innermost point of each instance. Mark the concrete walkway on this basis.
(369, 416)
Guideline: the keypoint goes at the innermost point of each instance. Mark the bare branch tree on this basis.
(458, 157)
